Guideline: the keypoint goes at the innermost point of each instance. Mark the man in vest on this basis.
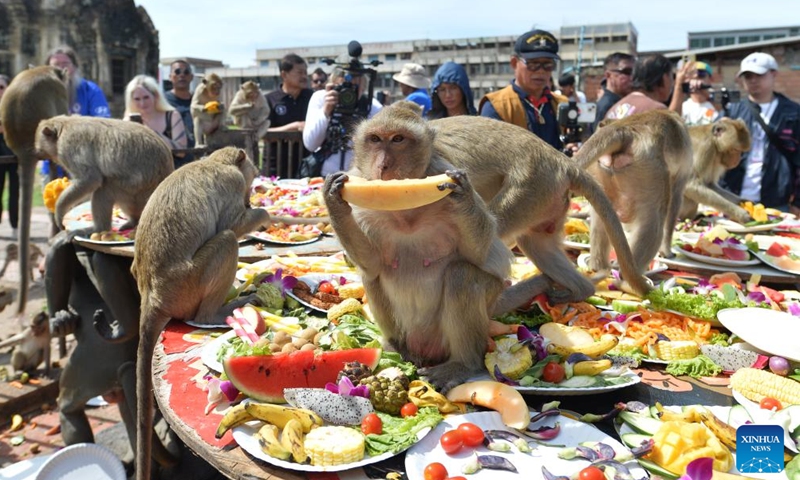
(528, 102)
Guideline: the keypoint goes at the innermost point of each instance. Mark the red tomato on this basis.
(435, 471)
(553, 372)
(471, 434)
(326, 287)
(456, 478)
(372, 424)
(591, 473)
(451, 441)
(408, 410)
(777, 250)
(769, 403)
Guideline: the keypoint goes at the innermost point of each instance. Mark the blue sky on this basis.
(232, 31)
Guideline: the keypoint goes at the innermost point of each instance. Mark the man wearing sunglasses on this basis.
(528, 102)
(618, 71)
(180, 97)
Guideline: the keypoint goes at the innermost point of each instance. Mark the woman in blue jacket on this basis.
(451, 93)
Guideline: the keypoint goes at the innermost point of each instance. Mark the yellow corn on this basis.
(327, 446)
(757, 384)
(351, 290)
(512, 357)
(350, 305)
(675, 350)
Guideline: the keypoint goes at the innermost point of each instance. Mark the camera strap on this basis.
(773, 139)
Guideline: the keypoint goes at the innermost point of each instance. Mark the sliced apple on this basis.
(497, 396)
(395, 194)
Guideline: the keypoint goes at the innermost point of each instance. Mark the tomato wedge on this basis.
(777, 250)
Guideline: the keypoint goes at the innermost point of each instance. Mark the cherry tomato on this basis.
(435, 471)
(591, 473)
(451, 441)
(471, 434)
(372, 424)
(408, 410)
(553, 372)
(769, 403)
(327, 287)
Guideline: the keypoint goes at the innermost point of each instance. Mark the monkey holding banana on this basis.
(716, 148)
(433, 273)
(185, 260)
(250, 109)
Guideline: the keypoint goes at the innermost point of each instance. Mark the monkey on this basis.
(32, 345)
(207, 117)
(34, 95)
(526, 185)
(250, 109)
(643, 162)
(12, 255)
(433, 273)
(716, 147)
(185, 260)
(114, 161)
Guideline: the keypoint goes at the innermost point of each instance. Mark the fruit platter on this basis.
(288, 234)
(764, 219)
(719, 247)
(578, 207)
(576, 231)
(781, 255)
(323, 291)
(288, 201)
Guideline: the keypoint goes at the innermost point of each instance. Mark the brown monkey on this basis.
(185, 259)
(643, 163)
(12, 255)
(207, 116)
(432, 273)
(34, 95)
(526, 184)
(716, 148)
(114, 161)
(250, 109)
(33, 345)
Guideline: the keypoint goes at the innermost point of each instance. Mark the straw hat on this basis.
(413, 75)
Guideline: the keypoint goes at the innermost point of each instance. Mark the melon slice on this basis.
(497, 396)
(264, 377)
(402, 194)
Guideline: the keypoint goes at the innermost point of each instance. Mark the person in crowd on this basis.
(180, 97)
(451, 93)
(653, 86)
(698, 109)
(288, 106)
(85, 97)
(528, 102)
(320, 111)
(768, 172)
(9, 169)
(567, 85)
(414, 85)
(143, 97)
(617, 77)
(318, 79)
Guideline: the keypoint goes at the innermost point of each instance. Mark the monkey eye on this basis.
(375, 139)
(397, 139)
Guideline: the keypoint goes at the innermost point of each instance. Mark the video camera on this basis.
(726, 97)
(351, 106)
(572, 116)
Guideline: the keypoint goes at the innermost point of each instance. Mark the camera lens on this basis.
(347, 97)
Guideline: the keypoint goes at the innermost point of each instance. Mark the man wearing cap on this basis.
(698, 109)
(528, 102)
(414, 85)
(767, 172)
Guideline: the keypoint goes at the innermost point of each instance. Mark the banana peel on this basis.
(724, 432)
(423, 394)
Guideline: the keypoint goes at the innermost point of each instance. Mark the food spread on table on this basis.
(289, 199)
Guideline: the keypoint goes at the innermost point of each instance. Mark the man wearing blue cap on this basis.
(698, 109)
(528, 102)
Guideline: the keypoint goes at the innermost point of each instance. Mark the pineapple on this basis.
(513, 358)
(678, 443)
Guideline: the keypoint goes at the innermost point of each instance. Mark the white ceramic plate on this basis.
(101, 242)
(576, 245)
(192, 323)
(83, 461)
(263, 237)
(734, 227)
(768, 330)
(655, 265)
(529, 465)
(763, 417)
(722, 262)
(209, 353)
(245, 437)
(314, 279)
(766, 241)
(770, 260)
(632, 377)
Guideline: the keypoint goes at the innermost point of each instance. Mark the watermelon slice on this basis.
(263, 377)
(777, 250)
(735, 254)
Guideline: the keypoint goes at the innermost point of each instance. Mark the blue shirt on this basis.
(420, 97)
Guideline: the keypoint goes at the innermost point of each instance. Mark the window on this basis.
(722, 41)
(489, 45)
(119, 75)
(434, 48)
(777, 35)
(405, 56)
(749, 38)
(372, 57)
(30, 41)
(488, 69)
(5, 64)
(619, 38)
(390, 57)
(263, 63)
(700, 43)
(475, 69)
(568, 41)
(505, 68)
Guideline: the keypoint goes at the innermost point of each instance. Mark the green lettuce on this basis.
(699, 366)
(400, 433)
(704, 307)
(530, 319)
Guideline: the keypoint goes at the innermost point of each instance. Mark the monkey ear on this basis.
(717, 130)
(50, 132)
(241, 157)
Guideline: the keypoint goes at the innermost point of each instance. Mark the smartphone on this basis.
(689, 57)
(580, 112)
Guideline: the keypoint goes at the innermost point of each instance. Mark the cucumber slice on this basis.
(633, 440)
(579, 381)
(625, 306)
(597, 301)
(657, 469)
(641, 423)
(738, 416)
(654, 412)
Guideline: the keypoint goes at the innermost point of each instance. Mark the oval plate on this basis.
(314, 279)
(768, 330)
(734, 227)
(723, 262)
(101, 242)
(266, 239)
(769, 260)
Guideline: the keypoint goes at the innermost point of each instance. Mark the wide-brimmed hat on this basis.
(413, 75)
(758, 63)
(537, 44)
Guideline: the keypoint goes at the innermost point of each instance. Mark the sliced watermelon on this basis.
(777, 250)
(263, 377)
(735, 254)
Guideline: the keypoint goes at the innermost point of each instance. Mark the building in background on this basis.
(724, 38)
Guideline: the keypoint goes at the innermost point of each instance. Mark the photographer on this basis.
(321, 108)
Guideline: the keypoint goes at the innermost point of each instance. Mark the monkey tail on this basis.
(586, 186)
(27, 169)
(607, 140)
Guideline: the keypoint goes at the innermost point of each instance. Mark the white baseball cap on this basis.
(758, 63)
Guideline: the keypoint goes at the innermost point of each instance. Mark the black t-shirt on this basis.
(285, 109)
(184, 108)
(605, 103)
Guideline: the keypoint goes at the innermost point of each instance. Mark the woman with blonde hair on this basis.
(144, 97)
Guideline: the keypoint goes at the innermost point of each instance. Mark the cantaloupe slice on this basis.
(497, 396)
(394, 194)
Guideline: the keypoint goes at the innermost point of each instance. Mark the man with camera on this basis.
(769, 171)
(333, 113)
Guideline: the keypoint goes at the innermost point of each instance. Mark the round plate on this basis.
(245, 437)
(734, 227)
(313, 280)
(209, 353)
(301, 220)
(572, 392)
(82, 461)
(770, 260)
(723, 262)
(768, 330)
(265, 239)
(576, 245)
(529, 465)
(655, 265)
(766, 241)
(101, 242)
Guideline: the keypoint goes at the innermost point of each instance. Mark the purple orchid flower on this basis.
(757, 297)
(346, 387)
(703, 287)
(794, 309)
(699, 469)
(280, 282)
(219, 390)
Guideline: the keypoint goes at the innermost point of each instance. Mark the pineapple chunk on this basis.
(678, 443)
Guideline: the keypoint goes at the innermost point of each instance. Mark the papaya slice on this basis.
(392, 195)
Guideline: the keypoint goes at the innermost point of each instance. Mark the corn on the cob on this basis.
(327, 446)
(756, 384)
(675, 350)
(349, 305)
(351, 290)
(513, 358)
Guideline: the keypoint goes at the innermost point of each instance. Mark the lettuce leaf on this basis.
(699, 366)
(400, 433)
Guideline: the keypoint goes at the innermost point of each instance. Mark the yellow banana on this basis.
(268, 440)
(292, 440)
(280, 415)
(724, 432)
(591, 367)
(234, 417)
(594, 349)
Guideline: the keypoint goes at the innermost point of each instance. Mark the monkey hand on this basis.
(446, 376)
(740, 215)
(332, 192)
(461, 187)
